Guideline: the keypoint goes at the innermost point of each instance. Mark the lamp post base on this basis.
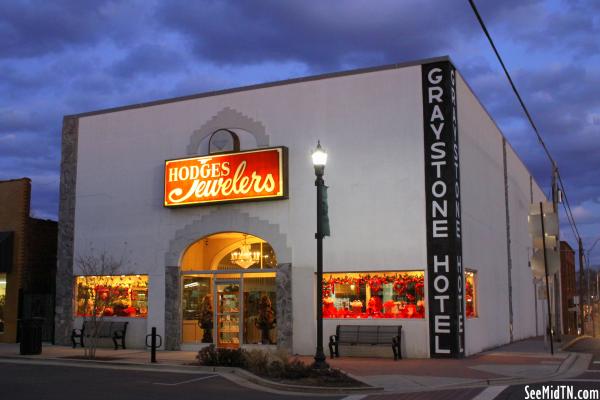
(320, 362)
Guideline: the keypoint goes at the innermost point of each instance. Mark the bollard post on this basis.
(153, 346)
(153, 336)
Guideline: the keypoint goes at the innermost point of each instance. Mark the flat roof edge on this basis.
(263, 86)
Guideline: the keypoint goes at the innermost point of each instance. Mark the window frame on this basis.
(475, 301)
(381, 315)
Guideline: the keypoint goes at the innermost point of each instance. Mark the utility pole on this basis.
(581, 274)
(557, 276)
(547, 286)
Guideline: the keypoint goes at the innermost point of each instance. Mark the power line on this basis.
(511, 82)
(566, 204)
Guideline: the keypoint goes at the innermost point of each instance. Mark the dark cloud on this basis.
(149, 59)
(38, 28)
(321, 34)
(69, 56)
(574, 27)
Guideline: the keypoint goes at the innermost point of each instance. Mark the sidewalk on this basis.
(524, 361)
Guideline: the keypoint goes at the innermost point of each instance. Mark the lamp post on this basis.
(319, 159)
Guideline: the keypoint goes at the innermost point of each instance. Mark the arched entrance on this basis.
(228, 291)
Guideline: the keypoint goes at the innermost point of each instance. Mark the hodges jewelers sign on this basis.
(227, 177)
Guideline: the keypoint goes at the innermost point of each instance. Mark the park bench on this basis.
(366, 335)
(108, 329)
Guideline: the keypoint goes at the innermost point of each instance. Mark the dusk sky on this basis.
(65, 57)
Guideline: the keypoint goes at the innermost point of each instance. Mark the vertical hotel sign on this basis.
(442, 193)
(227, 177)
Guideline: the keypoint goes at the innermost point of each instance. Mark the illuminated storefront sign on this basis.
(227, 177)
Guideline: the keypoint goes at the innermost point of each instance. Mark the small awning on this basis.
(6, 251)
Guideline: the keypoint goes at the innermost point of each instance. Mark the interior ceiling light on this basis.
(244, 256)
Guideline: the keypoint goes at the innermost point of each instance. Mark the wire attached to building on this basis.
(568, 211)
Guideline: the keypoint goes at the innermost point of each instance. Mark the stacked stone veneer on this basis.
(283, 282)
(66, 217)
(172, 308)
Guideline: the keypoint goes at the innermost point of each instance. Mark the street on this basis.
(40, 381)
(53, 382)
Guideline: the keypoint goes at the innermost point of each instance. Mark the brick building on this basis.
(27, 261)
(568, 287)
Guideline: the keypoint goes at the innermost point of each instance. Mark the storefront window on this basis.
(471, 293)
(374, 295)
(2, 300)
(120, 296)
(259, 309)
(197, 306)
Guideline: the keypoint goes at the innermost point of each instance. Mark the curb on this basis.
(248, 379)
(575, 340)
(563, 369)
(307, 389)
(225, 372)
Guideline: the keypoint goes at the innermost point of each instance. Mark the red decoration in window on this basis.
(407, 298)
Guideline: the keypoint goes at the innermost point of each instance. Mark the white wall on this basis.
(542, 306)
(519, 193)
(484, 227)
(483, 220)
(371, 126)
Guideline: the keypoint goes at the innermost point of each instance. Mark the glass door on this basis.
(197, 309)
(228, 304)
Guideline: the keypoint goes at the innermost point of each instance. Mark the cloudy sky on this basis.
(64, 57)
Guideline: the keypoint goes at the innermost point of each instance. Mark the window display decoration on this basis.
(470, 294)
(112, 296)
(2, 300)
(374, 295)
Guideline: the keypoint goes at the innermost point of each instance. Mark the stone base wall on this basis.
(172, 309)
(63, 307)
(283, 282)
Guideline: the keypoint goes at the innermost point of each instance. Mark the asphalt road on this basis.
(51, 382)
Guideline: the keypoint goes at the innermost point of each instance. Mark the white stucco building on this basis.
(428, 209)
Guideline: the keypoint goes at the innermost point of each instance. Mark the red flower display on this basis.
(406, 296)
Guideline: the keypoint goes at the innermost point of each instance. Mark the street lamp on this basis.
(319, 159)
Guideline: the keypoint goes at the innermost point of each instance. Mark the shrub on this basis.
(257, 361)
(271, 364)
(275, 369)
(296, 369)
(214, 356)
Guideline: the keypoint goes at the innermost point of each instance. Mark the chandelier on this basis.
(244, 256)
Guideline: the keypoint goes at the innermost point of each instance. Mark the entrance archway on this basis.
(228, 286)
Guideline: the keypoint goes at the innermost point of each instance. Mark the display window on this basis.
(241, 307)
(374, 295)
(471, 294)
(260, 309)
(2, 300)
(119, 296)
